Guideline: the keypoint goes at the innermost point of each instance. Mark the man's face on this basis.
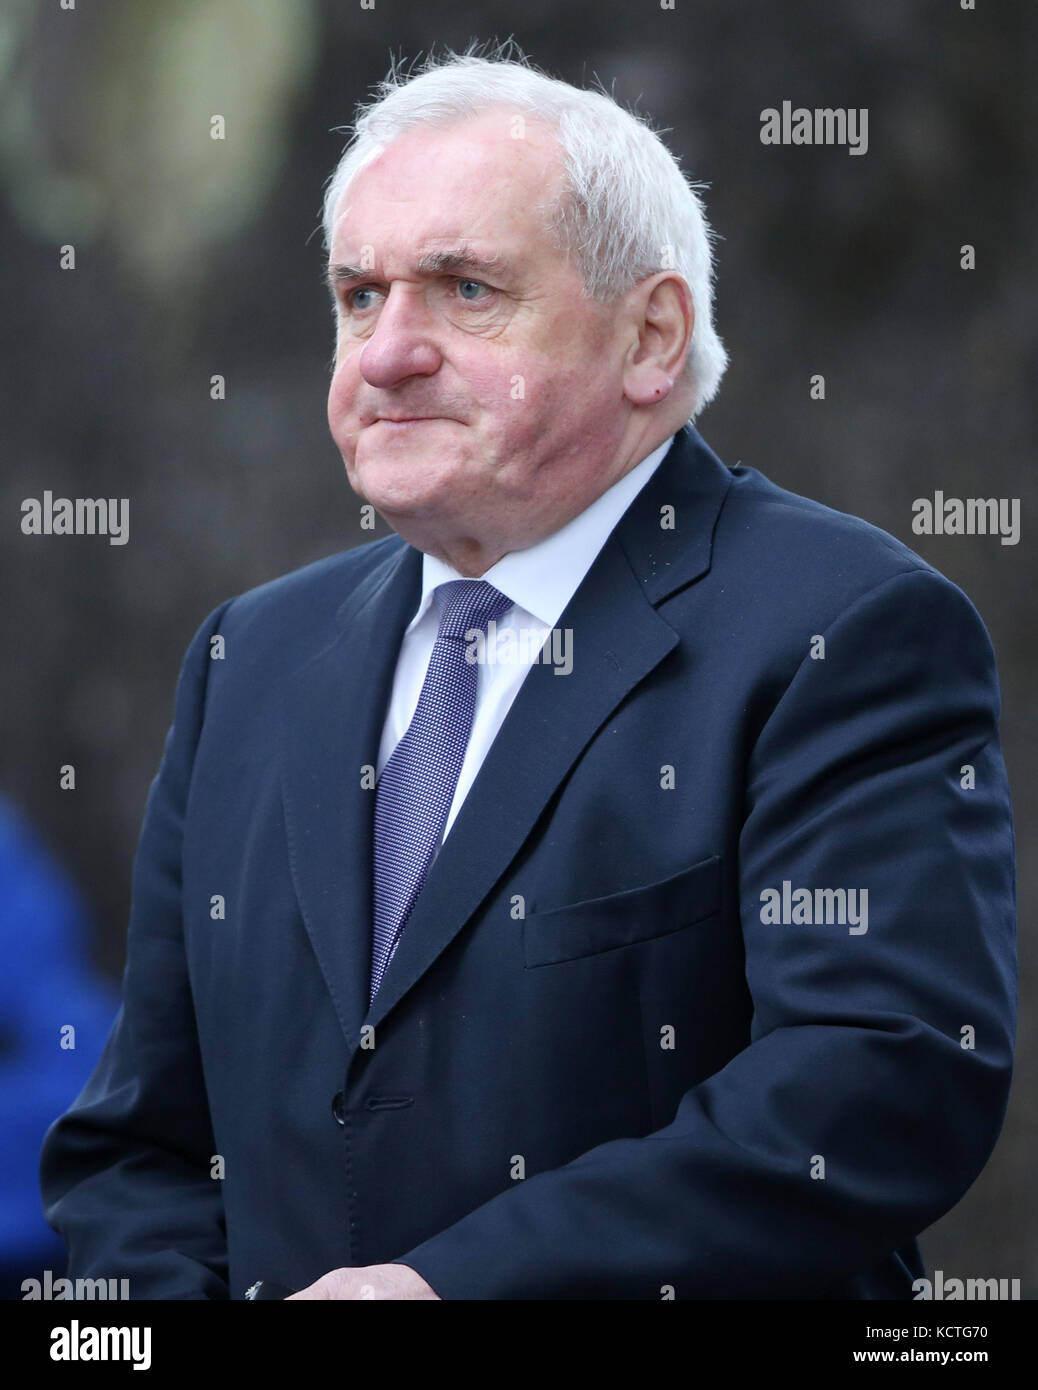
(516, 375)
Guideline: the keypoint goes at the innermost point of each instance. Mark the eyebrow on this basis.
(457, 261)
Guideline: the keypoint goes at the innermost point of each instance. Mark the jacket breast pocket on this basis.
(622, 919)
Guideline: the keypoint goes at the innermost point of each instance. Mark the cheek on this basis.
(559, 395)
(342, 389)
(342, 393)
(571, 379)
(481, 378)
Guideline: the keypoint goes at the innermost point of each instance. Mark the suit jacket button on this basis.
(339, 1108)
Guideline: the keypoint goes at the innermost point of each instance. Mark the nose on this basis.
(401, 343)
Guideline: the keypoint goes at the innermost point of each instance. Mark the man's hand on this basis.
(369, 1281)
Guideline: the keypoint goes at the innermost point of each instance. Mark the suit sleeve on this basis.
(125, 1172)
(875, 1081)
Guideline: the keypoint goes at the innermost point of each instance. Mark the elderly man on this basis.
(601, 888)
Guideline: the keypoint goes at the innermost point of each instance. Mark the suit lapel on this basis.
(618, 638)
(332, 714)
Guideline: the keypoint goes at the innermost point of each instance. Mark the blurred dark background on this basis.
(197, 257)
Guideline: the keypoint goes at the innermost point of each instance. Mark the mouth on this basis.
(401, 421)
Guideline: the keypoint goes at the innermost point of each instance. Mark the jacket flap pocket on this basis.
(620, 919)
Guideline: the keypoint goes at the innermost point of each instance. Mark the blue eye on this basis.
(471, 291)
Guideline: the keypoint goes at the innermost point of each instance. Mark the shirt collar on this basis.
(544, 577)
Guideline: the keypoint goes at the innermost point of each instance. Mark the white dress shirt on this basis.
(540, 581)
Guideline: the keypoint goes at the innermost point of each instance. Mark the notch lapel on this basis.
(333, 709)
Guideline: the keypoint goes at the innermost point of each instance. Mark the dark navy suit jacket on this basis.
(596, 1071)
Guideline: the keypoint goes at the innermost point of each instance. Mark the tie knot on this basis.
(465, 604)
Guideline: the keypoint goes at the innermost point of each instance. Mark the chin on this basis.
(400, 496)
(406, 473)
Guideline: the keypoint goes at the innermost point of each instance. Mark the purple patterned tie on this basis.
(417, 785)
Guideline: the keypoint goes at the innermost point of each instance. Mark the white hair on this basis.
(627, 210)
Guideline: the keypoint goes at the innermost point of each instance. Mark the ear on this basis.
(661, 316)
